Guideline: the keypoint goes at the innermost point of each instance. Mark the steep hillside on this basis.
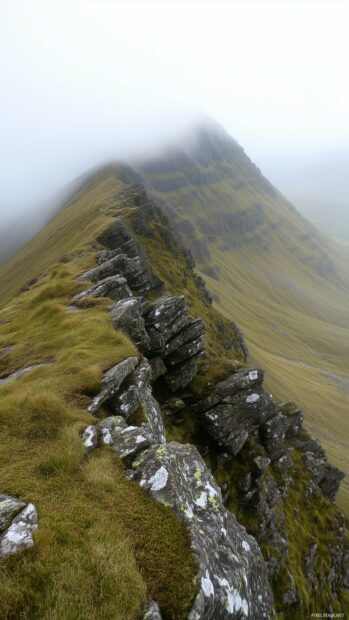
(285, 284)
(138, 443)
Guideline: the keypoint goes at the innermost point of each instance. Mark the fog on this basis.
(86, 81)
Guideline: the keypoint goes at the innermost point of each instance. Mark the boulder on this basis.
(90, 438)
(19, 534)
(158, 368)
(126, 316)
(225, 390)
(9, 508)
(273, 433)
(191, 332)
(181, 375)
(232, 580)
(114, 287)
(136, 393)
(118, 239)
(155, 425)
(231, 423)
(135, 270)
(130, 440)
(185, 352)
(166, 318)
(112, 381)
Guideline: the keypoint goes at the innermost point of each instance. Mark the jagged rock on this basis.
(112, 381)
(225, 390)
(9, 508)
(180, 376)
(118, 239)
(152, 413)
(329, 484)
(108, 426)
(273, 433)
(158, 368)
(19, 534)
(167, 317)
(232, 581)
(126, 316)
(137, 392)
(294, 415)
(135, 270)
(191, 332)
(90, 438)
(115, 287)
(152, 612)
(130, 440)
(185, 352)
(230, 423)
(261, 463)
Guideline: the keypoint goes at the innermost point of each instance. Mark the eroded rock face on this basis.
(111, 382)
(232, 580)
(166, 318)
(126, 315)
(114, 287)
(235, 418)
(16, 532)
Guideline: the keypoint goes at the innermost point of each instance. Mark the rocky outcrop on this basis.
(112, 381)
(241, 424)
(18, 522)
(231, 581)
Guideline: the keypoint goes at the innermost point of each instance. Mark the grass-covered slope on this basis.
(285, 284)
(103, 546)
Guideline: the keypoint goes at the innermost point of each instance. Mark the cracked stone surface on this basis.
(19, 534)
(232, 580)
(112, 381)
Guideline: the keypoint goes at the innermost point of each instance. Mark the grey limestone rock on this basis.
(137, 392)
(224, 390)
(112, 381)
(273, 433)
(114, 287)
(90, 438)
(126, 316)
(9, 508)
(191, 332)
(181, 375)
(166, 318)
(232, 581)
(231, 423)
(158, 368)
(19, 534)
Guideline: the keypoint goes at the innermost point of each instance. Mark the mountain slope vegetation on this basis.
(285, 284)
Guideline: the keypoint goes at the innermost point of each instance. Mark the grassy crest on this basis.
(103, 545)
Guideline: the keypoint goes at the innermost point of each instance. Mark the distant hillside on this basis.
(319, 187)
(285, 283)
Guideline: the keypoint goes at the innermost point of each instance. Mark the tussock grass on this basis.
(103, 545)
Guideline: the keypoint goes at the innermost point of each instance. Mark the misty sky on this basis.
(85, 81)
